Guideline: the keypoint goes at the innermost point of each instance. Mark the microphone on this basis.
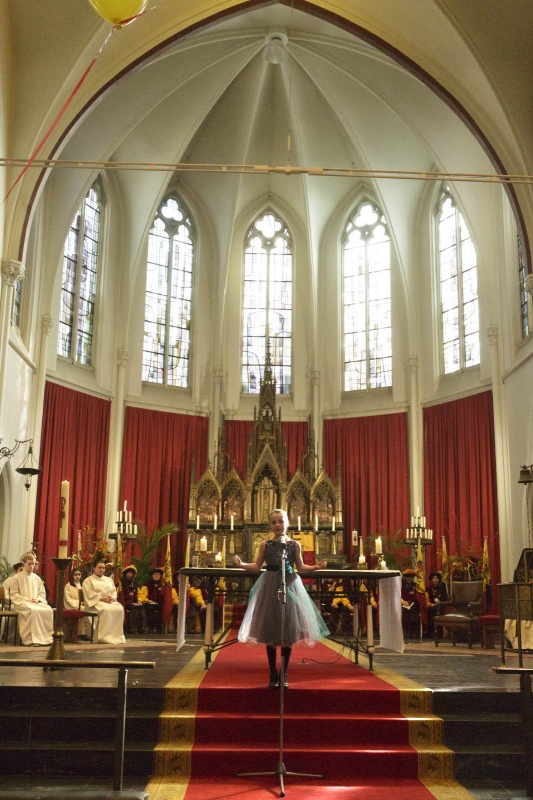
(284, 540)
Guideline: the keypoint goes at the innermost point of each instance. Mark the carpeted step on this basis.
(240, 729)
(344, 762)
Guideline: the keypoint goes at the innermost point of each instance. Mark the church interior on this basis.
(257, 256)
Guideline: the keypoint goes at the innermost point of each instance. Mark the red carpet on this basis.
(340, 720)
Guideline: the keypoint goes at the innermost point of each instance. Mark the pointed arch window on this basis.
(267, 301)
(78, 289)
(522, 275)
(366, 300)
(167, 325)
(458, 288)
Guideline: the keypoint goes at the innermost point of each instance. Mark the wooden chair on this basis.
(93, 615)
(9, 616)
(466, 608)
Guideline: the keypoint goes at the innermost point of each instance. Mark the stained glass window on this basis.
(522, 274)
(167, 325)
(458, 289)
(367, 300)
(80, 265)
(267, 300)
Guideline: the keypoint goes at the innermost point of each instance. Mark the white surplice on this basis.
(110, 615)
(36, 620)
(73, 601)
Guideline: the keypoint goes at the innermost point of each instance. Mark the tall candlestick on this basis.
(63, 516)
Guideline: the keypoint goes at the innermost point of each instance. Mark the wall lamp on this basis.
(526, 474)
(29, 466)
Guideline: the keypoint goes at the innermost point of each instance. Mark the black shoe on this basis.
(285, 682)
(274, 681)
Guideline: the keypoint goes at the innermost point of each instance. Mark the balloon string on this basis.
(58, 118)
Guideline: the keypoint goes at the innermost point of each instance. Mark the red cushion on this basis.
(489, 619)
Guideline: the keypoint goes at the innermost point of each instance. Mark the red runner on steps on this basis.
(340, 720)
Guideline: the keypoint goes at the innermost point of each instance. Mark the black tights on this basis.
(271, 655)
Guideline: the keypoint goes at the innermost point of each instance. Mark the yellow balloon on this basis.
(116, 11)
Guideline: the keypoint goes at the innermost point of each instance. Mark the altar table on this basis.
(388, 583)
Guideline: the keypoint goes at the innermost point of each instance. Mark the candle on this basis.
(299, 523)
(361, 559)
(379, 549)
(188, 550)
(333, 523)
(316, 522)
(130, 516)
(215, 523)
(224, 551)
(63, 517)
(125, 505)
(361, 548)
(316, 545)
(214, 543)
(198, 522)
(135, 529)
(232, 521)
(203, 544)
(334, 545)
(218, 558)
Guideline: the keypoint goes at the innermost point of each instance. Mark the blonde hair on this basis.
(283, 514)
(27, 556)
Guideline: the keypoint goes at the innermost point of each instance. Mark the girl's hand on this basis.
(321, 564)
(237, 561)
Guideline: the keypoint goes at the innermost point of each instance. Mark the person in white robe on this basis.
(28, 599)
(73, 600)
(100, 595)
(5, 624)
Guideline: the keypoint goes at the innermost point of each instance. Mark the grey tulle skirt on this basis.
(262, 620)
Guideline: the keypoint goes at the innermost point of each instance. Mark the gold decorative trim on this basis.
(443, 790)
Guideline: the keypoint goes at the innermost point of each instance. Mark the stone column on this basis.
(12, 272)
(214, 421)
(47, 324)
(116, 439)
(503, 488)
(317, 416)
(415, 437)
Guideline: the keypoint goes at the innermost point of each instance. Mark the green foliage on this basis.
(5, 569)
(148, 544)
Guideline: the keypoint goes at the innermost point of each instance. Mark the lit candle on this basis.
(379, 549)
(203, 544)
(215, 523)
(232, 521)
(198, 522)
(188, 550)
(63, 516)
(361, 559)
(299, 523)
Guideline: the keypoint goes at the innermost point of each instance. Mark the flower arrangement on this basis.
(92, 545)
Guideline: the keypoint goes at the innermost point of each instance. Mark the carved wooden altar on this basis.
(243, 505)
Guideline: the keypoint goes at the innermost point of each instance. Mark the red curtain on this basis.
(74, 447)
(460, 477)
(237, 434)
(374, 468)
(158, 451)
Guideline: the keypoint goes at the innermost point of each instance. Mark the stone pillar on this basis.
(416, 466)
(116, 439)
(503, 488)
(317, 416)
(47, 324)
(214, 421)
(12, 272)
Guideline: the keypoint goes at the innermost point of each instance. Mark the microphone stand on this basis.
(281, 770)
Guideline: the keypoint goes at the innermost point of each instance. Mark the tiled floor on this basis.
(446, 669)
